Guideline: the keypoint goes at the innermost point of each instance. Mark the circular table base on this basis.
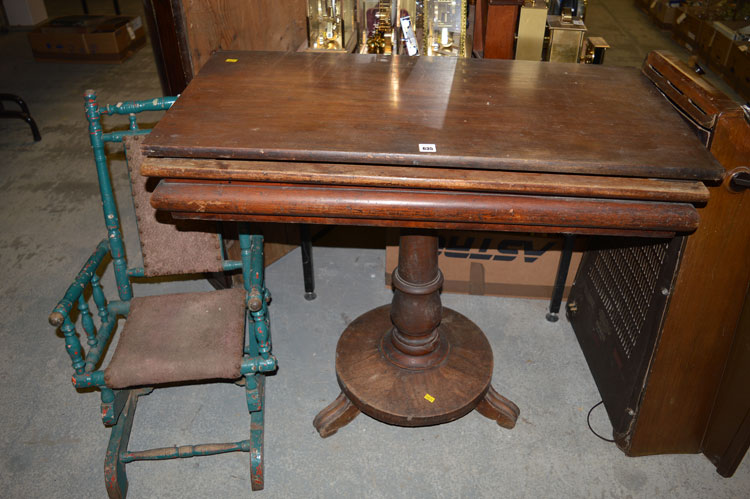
(405, 397)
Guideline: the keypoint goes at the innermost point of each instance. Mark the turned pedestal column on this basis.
(414, 362)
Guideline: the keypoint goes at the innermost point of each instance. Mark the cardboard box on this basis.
(110, 39)
(496, 263)
(725, 36)
(706, 35)
(686, 28)
(738, 72)
(663, 12)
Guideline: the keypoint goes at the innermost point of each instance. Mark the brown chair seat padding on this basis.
(180, 337)
(169, 247)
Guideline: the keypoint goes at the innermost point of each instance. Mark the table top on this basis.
(385, 110)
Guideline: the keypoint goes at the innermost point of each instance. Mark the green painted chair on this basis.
(166, 339)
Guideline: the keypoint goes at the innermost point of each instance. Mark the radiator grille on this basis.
(624, 280)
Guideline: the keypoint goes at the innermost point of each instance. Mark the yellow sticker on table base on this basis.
(231, 60)
(429, 398)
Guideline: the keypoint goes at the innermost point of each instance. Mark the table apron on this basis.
(407, 207)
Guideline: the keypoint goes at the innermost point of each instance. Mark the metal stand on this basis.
(23, 114)
(307, 262)
(562, 276)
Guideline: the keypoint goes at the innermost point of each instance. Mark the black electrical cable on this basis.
(588, 422)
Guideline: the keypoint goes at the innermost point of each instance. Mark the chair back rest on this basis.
(169, 246)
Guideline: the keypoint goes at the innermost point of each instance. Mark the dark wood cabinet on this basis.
(659, 360)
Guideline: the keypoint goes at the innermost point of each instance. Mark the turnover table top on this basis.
(431, 112)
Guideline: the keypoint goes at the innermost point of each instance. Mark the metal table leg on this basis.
(562, 276)
(307, 261)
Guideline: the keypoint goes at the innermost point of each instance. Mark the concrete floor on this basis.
(52, 442)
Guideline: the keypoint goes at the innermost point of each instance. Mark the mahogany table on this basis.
(425, 143)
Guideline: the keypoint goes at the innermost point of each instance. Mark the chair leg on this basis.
(258, 344)
(115, 477)
(256, 438)
(113, 403)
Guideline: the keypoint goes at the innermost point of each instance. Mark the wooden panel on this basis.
(286, 200)
(686, 33)
(705, 38)
(687, 89)
(480, 25)
(165, 31)
(490, 114)
(428, 178)
(666, 407)
(738, 70)
(703, 311)
(242, 25)
(502, 19)
(730, 419)
(423, 224)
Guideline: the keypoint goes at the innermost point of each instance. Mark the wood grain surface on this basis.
(213, 25)
(427, 178)
(731, 413)
(423, 224)
(488, 114)
(389, 393)
(405, 205)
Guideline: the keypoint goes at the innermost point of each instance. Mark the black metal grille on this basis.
(616, 307)
(624, 279)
